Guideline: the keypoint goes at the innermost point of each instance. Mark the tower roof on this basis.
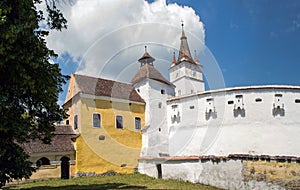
(146, 58)
(149, 71)
(184, 51)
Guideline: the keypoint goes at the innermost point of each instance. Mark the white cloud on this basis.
(111, 35)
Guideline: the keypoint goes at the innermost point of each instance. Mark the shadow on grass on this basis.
(95, 186)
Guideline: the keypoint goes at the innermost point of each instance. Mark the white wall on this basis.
(225, 175)
(258, 131)
(155, 115)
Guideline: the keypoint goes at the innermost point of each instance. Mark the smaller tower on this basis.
(146, 58)
(155, 89)
(186, 72)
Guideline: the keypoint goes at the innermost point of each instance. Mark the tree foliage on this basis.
(29, 82)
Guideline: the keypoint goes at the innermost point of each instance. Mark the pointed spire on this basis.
(184, 51)
(146, 58)
(196, 57)
(182, 33)
(174, 58)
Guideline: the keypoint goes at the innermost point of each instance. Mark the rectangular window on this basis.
(119, 122)
(159, 105)
(96, 120)
(137, 122)
(75, 121)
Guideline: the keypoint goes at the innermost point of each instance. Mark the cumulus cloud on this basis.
(108, 37)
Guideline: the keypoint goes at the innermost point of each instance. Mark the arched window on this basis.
(43, 161)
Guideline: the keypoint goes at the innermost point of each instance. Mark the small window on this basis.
(258, 100)
(96, 120)
(159, 105)
(162, 91)
(76, 122)
(67, 122)
(239, 96)
(230, 102)
(278, 95)
(179, 92)
(297, 101)
(137, 122)
(192, 107)
(101, 138)
(192, 91)
(138, 90)
(119, 122)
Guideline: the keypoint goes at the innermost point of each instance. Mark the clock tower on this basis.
(186, 72)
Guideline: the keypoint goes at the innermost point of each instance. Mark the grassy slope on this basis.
(130, 181)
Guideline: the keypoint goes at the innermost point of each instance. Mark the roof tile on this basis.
(105, 87)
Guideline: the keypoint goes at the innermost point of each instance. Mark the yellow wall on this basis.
(51, 171)
(120, 147)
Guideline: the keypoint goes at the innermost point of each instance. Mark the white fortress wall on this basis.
(236, 121)
(230, 174)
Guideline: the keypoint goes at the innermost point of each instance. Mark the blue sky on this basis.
(255, 42)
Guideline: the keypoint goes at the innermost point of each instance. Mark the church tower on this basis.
(186, 72)
(155, 89)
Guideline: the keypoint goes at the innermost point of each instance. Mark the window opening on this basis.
(119, 122)
(137, 122)
(76, 122)
(96, 120)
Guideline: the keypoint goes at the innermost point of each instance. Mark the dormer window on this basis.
(175, 115)
(210, 109)
(239, 109)
(278, 106)
(162, 91)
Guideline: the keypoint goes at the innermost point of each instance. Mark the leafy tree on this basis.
(29, 82)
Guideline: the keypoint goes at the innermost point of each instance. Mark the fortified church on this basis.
(232, 138)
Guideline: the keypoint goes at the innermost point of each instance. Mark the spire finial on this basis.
(182, 24)
(145, 49)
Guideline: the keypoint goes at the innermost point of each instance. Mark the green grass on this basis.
(130, 181)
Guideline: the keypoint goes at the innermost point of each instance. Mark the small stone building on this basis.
(55, 160)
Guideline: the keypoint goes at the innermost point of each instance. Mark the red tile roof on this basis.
(105, 87)
(149, 71)
(61, 142)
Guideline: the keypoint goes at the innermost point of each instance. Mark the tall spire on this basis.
(146, 58)
(174, 58)
(184, 51)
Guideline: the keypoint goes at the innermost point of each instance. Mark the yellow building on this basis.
(108, 116)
